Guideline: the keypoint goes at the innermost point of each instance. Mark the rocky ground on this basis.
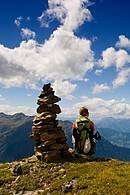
(78, 176)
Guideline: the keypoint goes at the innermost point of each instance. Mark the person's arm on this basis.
(75, 133)
(74, 125)
(92, 127)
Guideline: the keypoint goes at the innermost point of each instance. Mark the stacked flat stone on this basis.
(49, 137)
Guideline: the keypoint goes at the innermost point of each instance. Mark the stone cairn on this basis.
(49, 137)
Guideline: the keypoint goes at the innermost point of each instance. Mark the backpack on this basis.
(85, 134)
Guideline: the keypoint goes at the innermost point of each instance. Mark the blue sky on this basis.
(84, 52)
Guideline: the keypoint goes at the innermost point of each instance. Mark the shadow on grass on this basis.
(79, 159)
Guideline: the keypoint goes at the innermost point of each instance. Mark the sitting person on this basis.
(83, 133)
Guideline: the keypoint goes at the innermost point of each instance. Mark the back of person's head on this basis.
(84, 111)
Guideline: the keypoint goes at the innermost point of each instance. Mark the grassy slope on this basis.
(103, 178)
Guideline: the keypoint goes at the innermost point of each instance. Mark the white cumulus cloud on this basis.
(62, 57)
(57, 59)
(120, 59)
(27, 33)
(71, 14)
(122, 78)
(11, 72)
(63, 88)
(111, 57)
(99, 88)
(123, 42)
(99, 108)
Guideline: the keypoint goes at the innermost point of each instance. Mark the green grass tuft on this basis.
(95, 178)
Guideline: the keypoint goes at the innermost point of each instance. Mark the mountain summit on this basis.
(32, 177)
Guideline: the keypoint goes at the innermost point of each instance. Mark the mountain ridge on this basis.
(17, 133)
(121, 124)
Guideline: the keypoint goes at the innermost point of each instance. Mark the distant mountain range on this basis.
(116, 137)
(120, 125)
(15, 141)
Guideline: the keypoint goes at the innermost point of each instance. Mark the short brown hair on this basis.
(83, 111)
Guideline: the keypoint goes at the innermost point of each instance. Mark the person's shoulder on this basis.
(92, 125)
(91, 122)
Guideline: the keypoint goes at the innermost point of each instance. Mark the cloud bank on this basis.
(99, 108)
(8, 109)
(63, 57)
